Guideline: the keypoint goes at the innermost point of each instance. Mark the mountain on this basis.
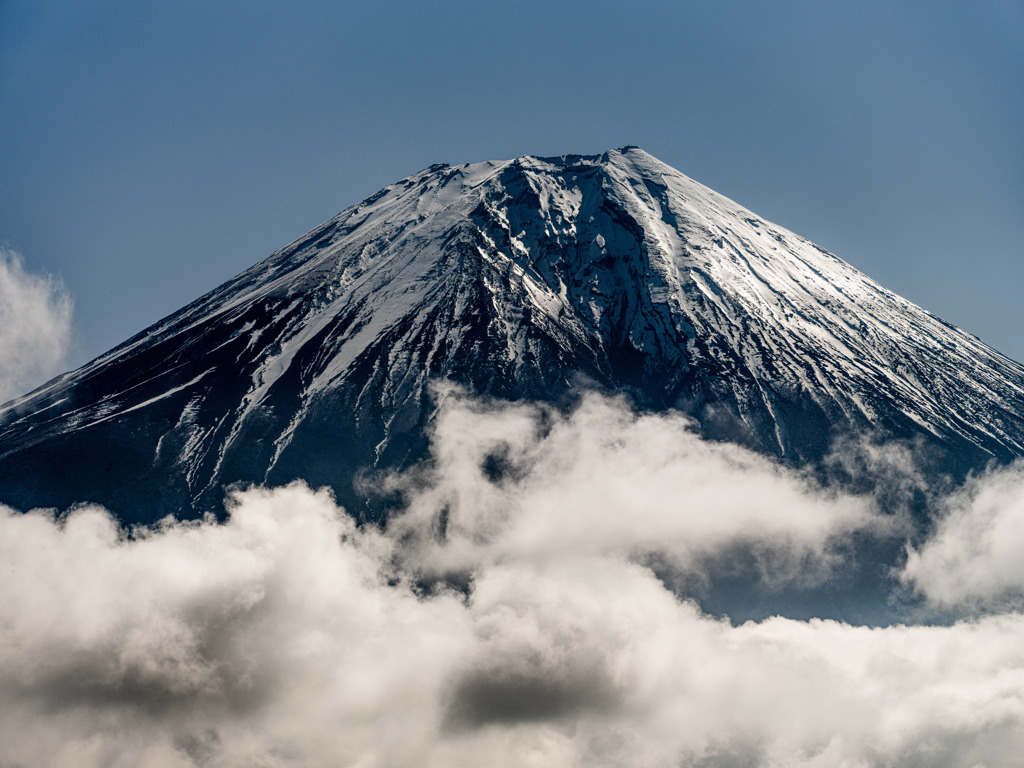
(531, 278)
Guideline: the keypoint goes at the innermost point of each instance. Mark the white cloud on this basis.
(35, 326)
(524, 481)
(287, 636)
(975, 556)
(273, 639)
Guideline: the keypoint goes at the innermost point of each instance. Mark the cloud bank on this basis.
(508, 618)
(35, 326)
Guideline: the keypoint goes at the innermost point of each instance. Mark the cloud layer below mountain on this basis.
(507, 618)
(35, 326)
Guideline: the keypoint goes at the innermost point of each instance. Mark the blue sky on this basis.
(149, 152)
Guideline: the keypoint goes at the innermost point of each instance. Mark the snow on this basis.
(116, 411)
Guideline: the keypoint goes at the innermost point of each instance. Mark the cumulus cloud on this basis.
(974, 559)
(287, 636)
(35, 326)
(506, 618)
(274, 639)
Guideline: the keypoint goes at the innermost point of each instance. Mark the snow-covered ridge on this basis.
(515, 278)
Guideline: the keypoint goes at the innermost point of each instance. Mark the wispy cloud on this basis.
(288, 636)
(975, 557)
(510, 481)
(35, 326)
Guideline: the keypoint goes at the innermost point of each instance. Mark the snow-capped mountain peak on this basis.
(518, 279)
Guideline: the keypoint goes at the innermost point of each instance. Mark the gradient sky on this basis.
(149, 152)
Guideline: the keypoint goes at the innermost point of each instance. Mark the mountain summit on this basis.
(529, 278)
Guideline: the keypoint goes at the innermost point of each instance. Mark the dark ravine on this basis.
(527, 279)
